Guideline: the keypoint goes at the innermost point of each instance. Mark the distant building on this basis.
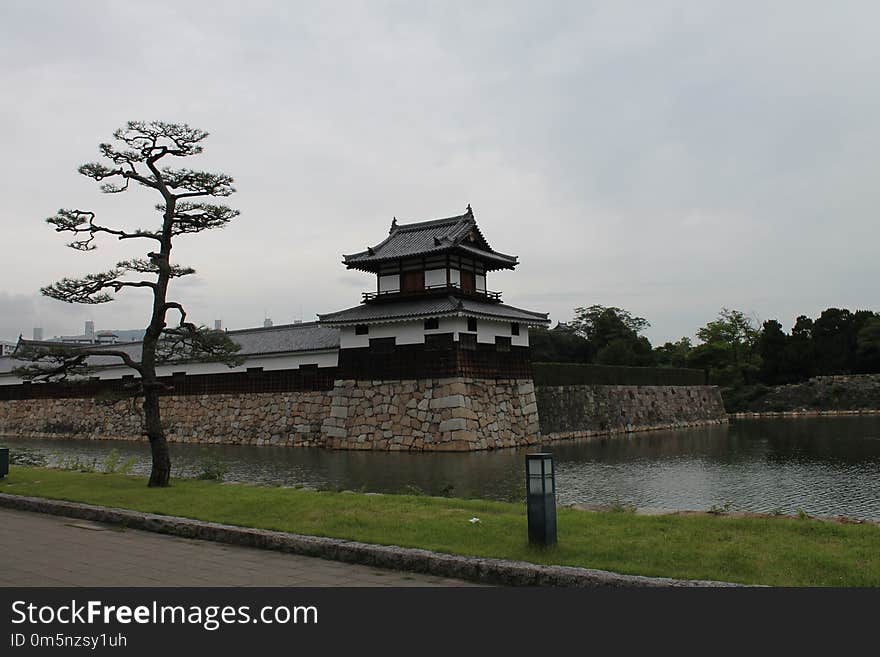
(90, 336)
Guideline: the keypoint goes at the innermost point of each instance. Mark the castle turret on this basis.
(432, 313)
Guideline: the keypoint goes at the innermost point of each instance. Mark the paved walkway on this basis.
(44, 550)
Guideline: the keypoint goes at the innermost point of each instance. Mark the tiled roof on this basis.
(431, 307)
(430, 238)
(308, 336)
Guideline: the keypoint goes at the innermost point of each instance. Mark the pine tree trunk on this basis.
(161, 471)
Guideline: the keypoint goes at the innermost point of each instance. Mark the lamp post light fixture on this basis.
(541, 498)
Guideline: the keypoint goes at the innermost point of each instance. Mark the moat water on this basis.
(822, 466)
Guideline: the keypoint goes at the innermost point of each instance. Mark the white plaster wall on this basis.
(435, 277)
(348, 340)
(446, 325)
(405, 332)
(489, 329)
(456, 325)
(411, 332)
(454, 277)
(389, 283)
(329, 358)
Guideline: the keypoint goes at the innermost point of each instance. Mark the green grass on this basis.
(775, 551)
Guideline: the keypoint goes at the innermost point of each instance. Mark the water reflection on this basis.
(827, 466)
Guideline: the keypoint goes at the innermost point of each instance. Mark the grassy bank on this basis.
(775, 551)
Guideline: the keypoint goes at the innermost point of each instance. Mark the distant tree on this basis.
(728, 348)
(674, 354)
(733, 328)
(613, 335)
(868, 347)
(715, 358)
(772, 346)
(834, 338)
(861, 319)
(627, 351)
(800, 351)
(603, 324)
(558, 345)
(140, 148)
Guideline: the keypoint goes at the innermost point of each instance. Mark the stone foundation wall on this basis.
(584, 411)
(447, 414)
(454, 414)
(282, 418)
(849, 392)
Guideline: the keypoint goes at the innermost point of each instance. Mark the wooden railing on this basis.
(452, 287)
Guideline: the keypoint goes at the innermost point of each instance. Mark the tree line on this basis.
(733, 348)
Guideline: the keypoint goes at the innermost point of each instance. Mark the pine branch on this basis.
(82, 222)
(192, 217)
(58, 362)
(144, 266)
(197, 183)
(90, 288)
(148, 137)
(188, 342)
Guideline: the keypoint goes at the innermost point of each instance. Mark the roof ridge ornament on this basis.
(469, 210)
(370, 250)
(393, 224)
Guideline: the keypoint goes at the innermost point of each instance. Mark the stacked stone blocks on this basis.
(450, 414)
(439, 414)
(284, 418)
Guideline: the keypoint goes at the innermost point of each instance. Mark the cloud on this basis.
(670, 158)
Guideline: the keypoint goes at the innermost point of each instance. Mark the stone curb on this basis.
(488, 571)
(745, 415)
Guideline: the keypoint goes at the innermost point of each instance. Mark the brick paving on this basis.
(44, 550)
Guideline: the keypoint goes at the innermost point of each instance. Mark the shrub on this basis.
(213, 468)
(114, 464)
(27, 457)
(76, 464)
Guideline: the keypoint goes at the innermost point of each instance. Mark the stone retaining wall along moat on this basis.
(581, 411)
(452, 414)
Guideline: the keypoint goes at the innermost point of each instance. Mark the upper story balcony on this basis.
(429, 290)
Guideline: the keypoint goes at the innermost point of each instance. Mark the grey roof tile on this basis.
(431, 307)
(429, 237)
(307, 336)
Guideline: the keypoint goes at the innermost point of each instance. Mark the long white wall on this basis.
(413, 332)
(409, 332)
(329, 358)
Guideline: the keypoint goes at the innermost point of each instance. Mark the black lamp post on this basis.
(541, 498)
(4, 462)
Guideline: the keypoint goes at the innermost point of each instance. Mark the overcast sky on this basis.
(669, 158)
